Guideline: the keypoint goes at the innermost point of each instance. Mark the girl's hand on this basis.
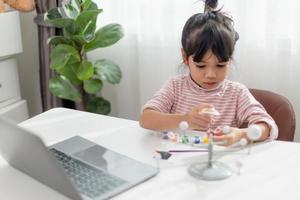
(199, 120)
(235, 135)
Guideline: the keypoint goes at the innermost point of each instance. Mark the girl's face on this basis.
(209, 72)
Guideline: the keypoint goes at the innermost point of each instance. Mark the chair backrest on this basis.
(280, 109)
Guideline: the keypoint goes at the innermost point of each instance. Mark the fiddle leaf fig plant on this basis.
(78, 79)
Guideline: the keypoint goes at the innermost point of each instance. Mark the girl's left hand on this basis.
(235, 135)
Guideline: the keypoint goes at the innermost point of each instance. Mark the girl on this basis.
(208, 41)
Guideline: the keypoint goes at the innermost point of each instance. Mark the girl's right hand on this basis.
(197, 119)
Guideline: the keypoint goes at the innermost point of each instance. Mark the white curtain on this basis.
(266, 56)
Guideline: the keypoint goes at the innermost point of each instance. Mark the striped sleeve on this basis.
(163, 99)
(250, 111)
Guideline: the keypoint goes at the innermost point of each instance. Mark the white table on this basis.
(271, 171)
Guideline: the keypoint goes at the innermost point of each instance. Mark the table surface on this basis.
(270, 171)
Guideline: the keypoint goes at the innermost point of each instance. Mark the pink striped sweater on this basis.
(232, 99)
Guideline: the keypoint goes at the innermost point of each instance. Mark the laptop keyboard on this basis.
(88, 180)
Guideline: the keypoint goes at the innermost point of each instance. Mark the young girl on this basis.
(208, 41)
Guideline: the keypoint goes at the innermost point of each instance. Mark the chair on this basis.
(280, 109)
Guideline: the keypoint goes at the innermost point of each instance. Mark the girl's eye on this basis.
(200, 66)
(221, 65)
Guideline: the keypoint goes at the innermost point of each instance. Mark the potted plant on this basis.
(78, 79)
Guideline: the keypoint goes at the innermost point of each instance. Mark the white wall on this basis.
(29, 64)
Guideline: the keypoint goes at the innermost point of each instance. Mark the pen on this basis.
(185, 151)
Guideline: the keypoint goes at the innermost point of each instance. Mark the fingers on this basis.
(199, 125)
(202, 118)
(198, 119)
(207, 110)
(202, 122)
(228, 139)
(220, 135)
(204, 109)
(235, 135)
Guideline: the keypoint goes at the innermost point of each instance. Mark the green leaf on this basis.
(76, 4)
(98, 105)
(65, 59)
(89, 5)
(85, 71)
(108, 71)
(86, 16)
(56, 18)
(71, 8)
(63, 54)
(88, 32)
(92, 86)
(69, 71)
(56, 40)
(71, 11)
(79, 40)
(71, 29)
(53, 13)
(105, 36)
(61, 87)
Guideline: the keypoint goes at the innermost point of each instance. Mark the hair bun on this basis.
(210, 5)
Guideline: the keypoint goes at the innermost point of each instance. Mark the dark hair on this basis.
(209, 30)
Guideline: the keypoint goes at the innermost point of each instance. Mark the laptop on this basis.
(75, 167)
